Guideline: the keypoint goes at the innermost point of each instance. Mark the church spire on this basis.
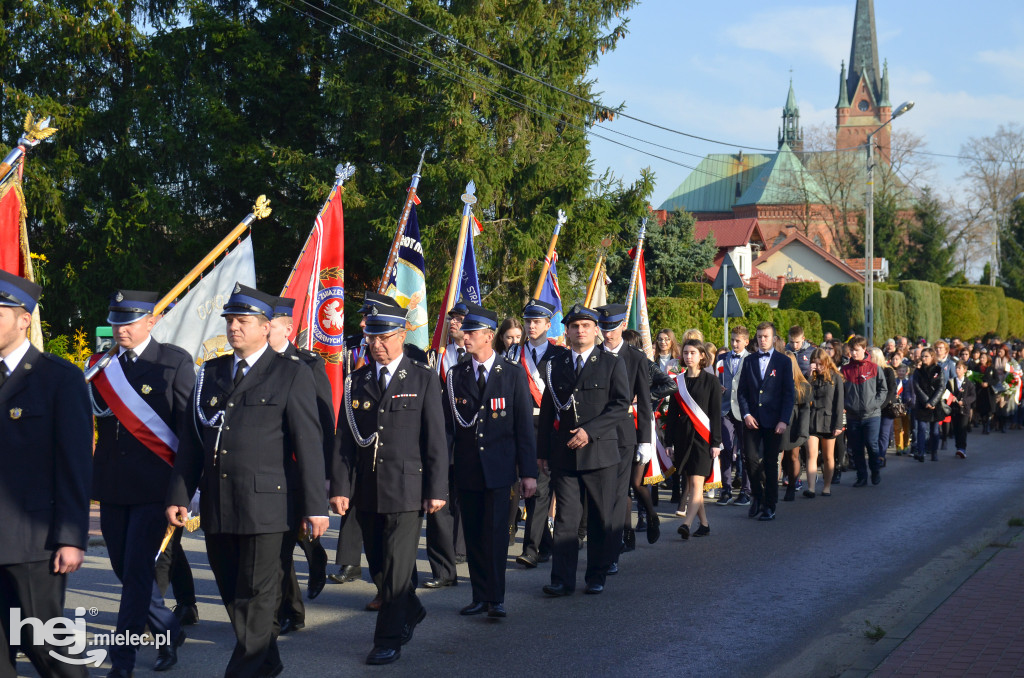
(844, 98)
(790, 133)
(864, 51)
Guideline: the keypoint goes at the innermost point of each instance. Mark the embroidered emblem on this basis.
(15, 413)
(355, 404)
(119, 297)
(366, 377)
(146, 389)
(213, 401)
(238, 288)
(402, 374)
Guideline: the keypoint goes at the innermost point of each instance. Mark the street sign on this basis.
(728, 277)
(728, 306)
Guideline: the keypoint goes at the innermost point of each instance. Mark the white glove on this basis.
(644, 452)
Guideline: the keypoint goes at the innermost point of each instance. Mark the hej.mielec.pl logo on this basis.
(71, 636)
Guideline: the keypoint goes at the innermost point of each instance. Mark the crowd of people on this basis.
(579, 432)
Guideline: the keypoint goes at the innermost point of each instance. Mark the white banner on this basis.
(195, 323)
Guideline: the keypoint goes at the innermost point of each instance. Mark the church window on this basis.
(863, 104)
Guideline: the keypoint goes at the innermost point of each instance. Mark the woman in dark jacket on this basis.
(694, 453)
(799, 428)
(986, 403)
(928, 388)
(888, 419)
(826, 421)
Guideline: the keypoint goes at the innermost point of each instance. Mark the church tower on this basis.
(863, 93)
(790, 132)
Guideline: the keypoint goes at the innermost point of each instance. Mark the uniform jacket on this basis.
(729, 381)
(864, 389)
(45, 459)
(124, 470)
(827, 404)
(410, 461)
(501, 446)
(769, 400)
(679, 429)
(635, 430)
(520, 355)
(269, 423)
(601, 397)
(324, 395)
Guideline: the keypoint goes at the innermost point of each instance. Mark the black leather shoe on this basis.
(543, 557)
(613, 568)
(702, 531)
(187, 615)
(410, 627)
(473, 609)
(314, 587)
(346, 574)
(861, 482)
(439, 583)
(317, 558)
(653, 529)
(755, 508)
(167, 656)
(119, 673)
(496, 611)
(769, 514)
(684, 531)
(383, 655)
(876, 478)
(288, 625)
(556, 590)
(790, 493)
(527, 561)
(594, 589)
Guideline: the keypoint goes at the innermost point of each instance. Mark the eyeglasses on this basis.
(381, 338)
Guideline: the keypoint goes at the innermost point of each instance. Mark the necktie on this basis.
(127, 361)
(481, 379)
(579, 365)
(382, 380)
(460, 352)
(3, 373)
(239, 371)
(533, 352)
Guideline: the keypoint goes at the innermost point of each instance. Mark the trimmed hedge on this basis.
(924, 309)
(1014, 318)
(810, 321)
(960, 316)
(805, 296)
(833, 327)
(685, 313)
(991, 307)
(703, 292)
(845, 306)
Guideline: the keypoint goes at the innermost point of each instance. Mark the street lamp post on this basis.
(869, 229)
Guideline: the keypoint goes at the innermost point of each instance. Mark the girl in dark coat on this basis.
(799, 428)
(928, 388)
(888, 419)
(986, 395)
(963, 391)
(696, 445)
(826, 421)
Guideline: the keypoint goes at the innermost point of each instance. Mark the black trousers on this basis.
(445, 535)
(622, 512)
(391, 541)
(484, 516)
(173, 571)
(961, 422)
(39, 593)
(599, 487)
(536, 538)
(761, 448)
(133, 534)
(247, 568)
(350, 540)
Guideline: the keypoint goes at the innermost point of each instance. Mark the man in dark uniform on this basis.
(633, 431)
(391, 462)
(46, 467)
(292, 615)
(586, 398)
(140, 400)
(530, 357)
(256, 413)
(489, 419)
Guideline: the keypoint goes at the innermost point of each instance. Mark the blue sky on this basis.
(721, 70)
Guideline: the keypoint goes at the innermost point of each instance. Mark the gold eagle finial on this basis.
(261, 209)
(36, 131)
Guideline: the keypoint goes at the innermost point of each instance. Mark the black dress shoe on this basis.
(769, 514)
(187, 614)
(473, 609)
(613, 568)
(314, 587)
(288, 625)
(684, 531)
(496, 611)
(527, 561)
(317, 558)
(543, 557)
(411, 626)
(861, 482)
(439, 583)
(383, 655)
(167, 656)
(755, 508)
(702, 531)
(557, 590)
(653, 529)
(594, 589)
(876, 478)
(119, 673)
(790, 493)
(346, 574)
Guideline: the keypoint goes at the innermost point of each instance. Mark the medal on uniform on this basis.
(366, 404)
(213, 401)
(146, 389)
(503, 413)
(494, 415)
(355, 404)
(15, 413)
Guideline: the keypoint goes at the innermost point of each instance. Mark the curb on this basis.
(868, 660)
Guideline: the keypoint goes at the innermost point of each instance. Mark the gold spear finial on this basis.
(261, 209)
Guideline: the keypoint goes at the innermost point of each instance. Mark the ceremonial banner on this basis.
(638, 318)
(14, 252)
(317, 284)
(470, 288)
(600, 295)
(551, 294)
(194, 323)
(408, 285)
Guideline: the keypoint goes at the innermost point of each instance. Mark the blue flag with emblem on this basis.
(551, 294)
(470, 287)
(408, 284)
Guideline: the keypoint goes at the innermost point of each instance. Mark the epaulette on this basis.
(174, 348)
(62, 362)
(417, 363)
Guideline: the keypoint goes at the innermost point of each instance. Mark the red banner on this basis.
(317, 284)
(12, 251)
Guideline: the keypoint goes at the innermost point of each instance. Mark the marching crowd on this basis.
(577, 432)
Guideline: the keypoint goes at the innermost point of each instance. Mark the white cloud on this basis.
(1009, 61)
(797, 33)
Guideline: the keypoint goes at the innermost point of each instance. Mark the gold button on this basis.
(382, 411)
(380, 428)
(231, 404)
(481, 449)
(223, 451)
(227, 428)
(279, 487)
(224, 475)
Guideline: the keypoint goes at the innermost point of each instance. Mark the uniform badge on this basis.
(15, 413)
(213, 401)
(593, 358)
(28, 366)
(238, 288)
(355, 404)
(367, 404)
(146, 389)
(497, 368)
(119, 297)
(402, 374)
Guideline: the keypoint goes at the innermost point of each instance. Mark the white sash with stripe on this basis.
(134, 413)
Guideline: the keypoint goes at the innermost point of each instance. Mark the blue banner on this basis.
(551, 294)
(407, 282)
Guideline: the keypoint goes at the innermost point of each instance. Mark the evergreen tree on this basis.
(929, 256)
(1011, 250)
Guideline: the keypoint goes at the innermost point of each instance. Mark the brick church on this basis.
(777, 189)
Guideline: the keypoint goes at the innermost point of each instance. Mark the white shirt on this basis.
(392, 368)
(614, 351)
(763, 360)
(138, 349)
(249, 362)
(14, 357)
(487, 367)
(584, 355)
(539, 349)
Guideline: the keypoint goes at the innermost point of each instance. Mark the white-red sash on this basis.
(134, 413)
(700, 419)
(536, 389)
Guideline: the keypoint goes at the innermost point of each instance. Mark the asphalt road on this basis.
(791, 597)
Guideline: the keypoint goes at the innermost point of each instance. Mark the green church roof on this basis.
(716, 183)
(783, 181)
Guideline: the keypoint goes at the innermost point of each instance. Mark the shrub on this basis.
(991, 303)
(1015, 318)
(960, 316)
(805, 296)
(833, 327)
(924, 309)
(845, 306)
